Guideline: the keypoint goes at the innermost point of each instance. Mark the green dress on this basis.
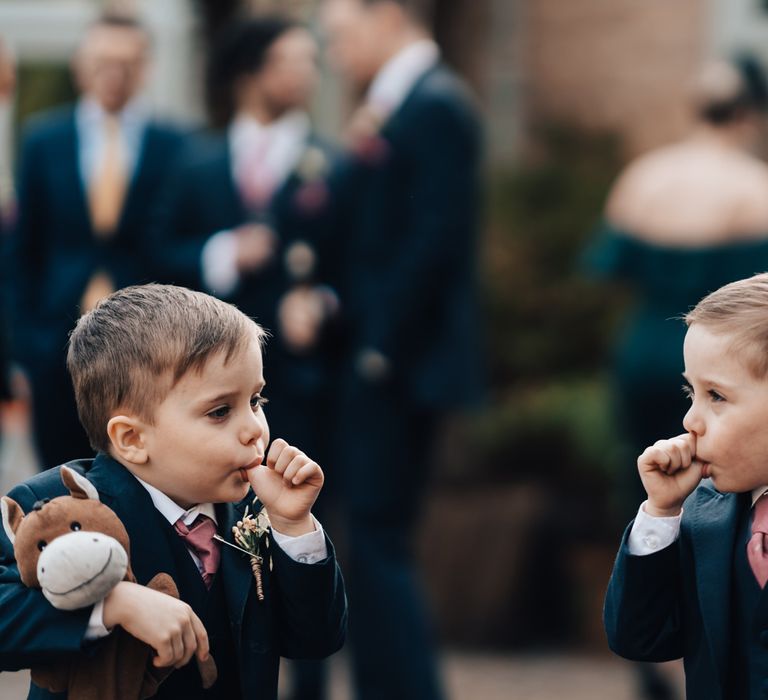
(648, 362)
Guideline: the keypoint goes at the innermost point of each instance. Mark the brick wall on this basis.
(615, 64)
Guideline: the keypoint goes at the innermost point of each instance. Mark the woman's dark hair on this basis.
(239, 49)
(749, 95)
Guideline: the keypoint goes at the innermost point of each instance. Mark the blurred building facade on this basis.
(621, 66)
(625, 66)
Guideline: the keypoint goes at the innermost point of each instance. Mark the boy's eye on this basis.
(715, 396)
(687, 391)
(259, 401)
(220, 412)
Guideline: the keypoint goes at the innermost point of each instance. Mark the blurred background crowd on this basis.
(469, 226)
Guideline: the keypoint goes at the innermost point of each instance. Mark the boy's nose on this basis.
(692, 422)
(250, 430)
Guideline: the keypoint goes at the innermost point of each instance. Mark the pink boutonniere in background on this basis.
(364, 135)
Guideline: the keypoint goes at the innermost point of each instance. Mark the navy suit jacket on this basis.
(410, 290)
(303, 616)
(5, 388)
(677, 602)
(201, 199)
(54, 250)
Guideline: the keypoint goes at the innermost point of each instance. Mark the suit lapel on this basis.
(713, 531)
(71, 162)
(236, 571)
(227, 189)
(145, 165)
(129, 499)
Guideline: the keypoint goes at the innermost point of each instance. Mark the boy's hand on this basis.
(256, 245)
(165, 623)
(287, 485)
(669, 472)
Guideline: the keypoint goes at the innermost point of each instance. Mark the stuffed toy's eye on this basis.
(75, 526)
(41, 545)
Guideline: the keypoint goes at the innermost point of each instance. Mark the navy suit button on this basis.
(764, 642)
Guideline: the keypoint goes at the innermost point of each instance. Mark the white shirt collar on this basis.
(133, 115)
(284, 141)
(172, 511)
(756, 493)
(399, 74)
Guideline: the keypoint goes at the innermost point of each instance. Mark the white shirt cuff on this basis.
(650, 534)
(96, 629)
(305, 549)
(219, 262)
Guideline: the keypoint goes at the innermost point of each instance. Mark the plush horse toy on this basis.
(76, 550)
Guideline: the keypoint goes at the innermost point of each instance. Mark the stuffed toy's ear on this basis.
(79, 486)
(12, 515)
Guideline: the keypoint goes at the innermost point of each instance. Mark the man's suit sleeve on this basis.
(28, 238)
(443, 145)
(5, 387)
(643, 605)
(310, 607)
(32, 631)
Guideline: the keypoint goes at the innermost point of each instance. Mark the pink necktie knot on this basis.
(199, 538)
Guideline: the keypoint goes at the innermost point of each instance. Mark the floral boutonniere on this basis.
(312, 170)
(252, 538)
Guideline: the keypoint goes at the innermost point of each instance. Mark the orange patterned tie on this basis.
(109, 183)
(757, 549)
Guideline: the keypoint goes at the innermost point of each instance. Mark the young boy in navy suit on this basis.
(169, 389)
(689, 580)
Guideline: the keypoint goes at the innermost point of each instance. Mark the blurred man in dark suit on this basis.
(87, 177)
(248, 215)
(7, 85)
(408, 299)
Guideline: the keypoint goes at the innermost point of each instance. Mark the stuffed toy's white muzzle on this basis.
(79, 569)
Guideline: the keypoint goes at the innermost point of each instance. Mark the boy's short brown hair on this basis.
(131, 349)
(740, 309)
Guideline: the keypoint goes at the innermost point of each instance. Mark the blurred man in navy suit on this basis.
(87, 176)
(7, 84)
(248, 215)
(412, 185)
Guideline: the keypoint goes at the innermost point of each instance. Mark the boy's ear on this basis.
(127, 433)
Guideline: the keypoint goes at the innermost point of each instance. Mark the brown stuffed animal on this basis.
(76, 550)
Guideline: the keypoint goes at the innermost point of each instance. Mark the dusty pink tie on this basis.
(199, 538)
(757, 549)
(257, 182)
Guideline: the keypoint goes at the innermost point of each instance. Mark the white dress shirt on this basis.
(651, 534)
(283, 142)
(398, 76)
(309, 548)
